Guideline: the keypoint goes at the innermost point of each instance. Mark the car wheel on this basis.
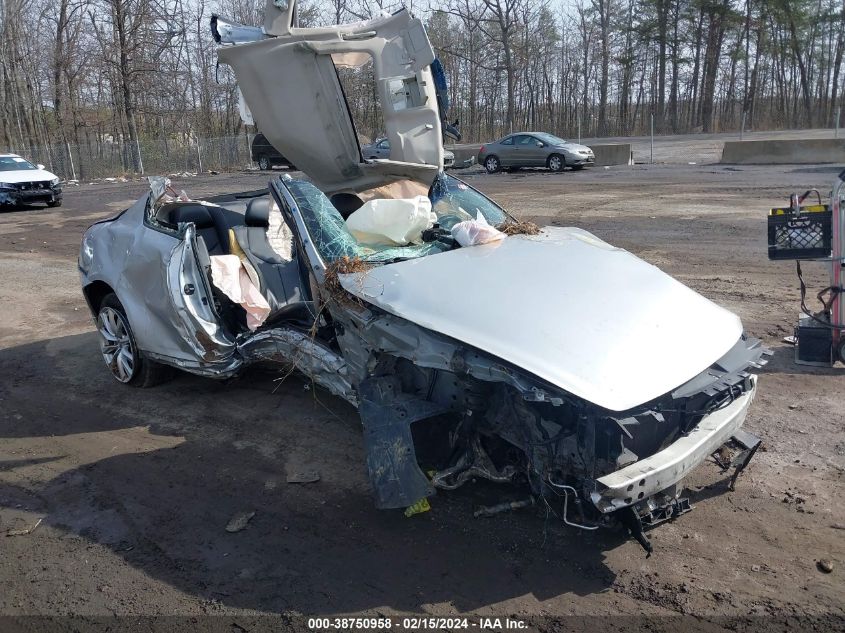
(492, 164)
(264, 163)
(54, 203)
(556, 162)
(120, 353)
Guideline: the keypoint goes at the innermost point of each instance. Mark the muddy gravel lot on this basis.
(129, 491)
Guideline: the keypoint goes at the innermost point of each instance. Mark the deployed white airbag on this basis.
(230, 276)
(391, 222)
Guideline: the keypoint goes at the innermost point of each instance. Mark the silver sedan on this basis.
(381, 149)
(534, 149)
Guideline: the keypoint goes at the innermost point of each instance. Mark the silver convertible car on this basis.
(592, 392)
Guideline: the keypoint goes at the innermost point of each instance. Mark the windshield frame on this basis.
(443, 174)
(312, 244)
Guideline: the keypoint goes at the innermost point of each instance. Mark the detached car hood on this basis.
(288, 78)
(589, 318)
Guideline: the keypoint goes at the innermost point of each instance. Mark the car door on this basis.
(520, 151)
(191, 294)
(532, 151)
(168, 297)
(504, 149)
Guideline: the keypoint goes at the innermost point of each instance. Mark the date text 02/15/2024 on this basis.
(416, 623)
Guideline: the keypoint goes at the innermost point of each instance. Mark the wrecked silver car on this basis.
(421, 302)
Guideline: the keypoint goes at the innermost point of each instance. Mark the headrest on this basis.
(346, 203)
(195, 213)
(258, 212)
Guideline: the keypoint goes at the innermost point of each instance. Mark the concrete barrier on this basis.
(612, 154)
(801, 151)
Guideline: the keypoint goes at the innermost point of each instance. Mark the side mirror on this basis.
(40, 166)
(540, 144)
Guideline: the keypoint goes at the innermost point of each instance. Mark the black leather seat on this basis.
(279, 278)
(210, 224)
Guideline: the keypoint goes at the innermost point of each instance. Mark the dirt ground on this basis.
(133, 488)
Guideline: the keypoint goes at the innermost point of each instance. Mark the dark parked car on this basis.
(266, 155)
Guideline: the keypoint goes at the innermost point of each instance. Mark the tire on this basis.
(556, 162)
(54, 204)
(119, 351)
(492, 164)
(264, 163)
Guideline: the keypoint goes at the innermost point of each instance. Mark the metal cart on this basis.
(815, 232)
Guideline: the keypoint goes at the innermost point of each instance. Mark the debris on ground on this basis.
(519, 227)
(25, 531)
(418, 508)
(239, 521)
(303, 477)
(507, 506)
(825, 565)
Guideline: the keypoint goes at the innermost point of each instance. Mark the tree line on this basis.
(93, 73)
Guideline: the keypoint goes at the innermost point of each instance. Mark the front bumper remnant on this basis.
(26, 194)
(665, 468)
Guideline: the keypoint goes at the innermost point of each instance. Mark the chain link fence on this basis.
(166, 156)
(148, 157)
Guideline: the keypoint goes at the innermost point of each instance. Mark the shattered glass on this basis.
(334, 241)
(453, 201)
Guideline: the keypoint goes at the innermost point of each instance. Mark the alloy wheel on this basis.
(116, 344)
